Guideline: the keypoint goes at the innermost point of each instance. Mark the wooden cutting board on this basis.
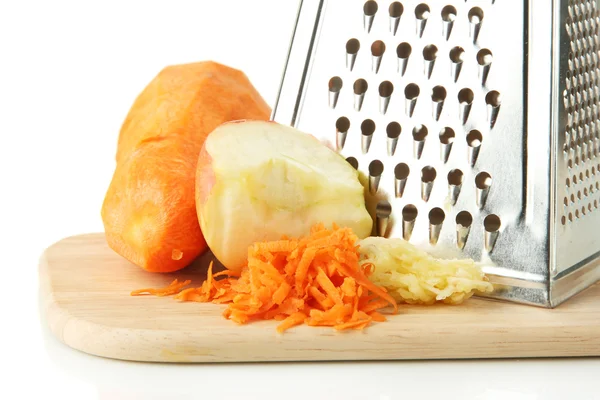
(85, 290)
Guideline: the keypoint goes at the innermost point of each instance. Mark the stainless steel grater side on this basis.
(476, 125)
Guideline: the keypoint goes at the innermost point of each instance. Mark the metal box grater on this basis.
(475, 124)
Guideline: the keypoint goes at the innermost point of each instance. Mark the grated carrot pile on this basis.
(315, 280)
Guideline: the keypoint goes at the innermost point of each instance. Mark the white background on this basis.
(69, 71)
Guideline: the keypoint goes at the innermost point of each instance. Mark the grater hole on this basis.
(447, 135)
(438, 94)
(484, 57)
(493, 99)
(375, 168)
(436, 216)
(403, 50)
(352, 161)
(393, 130)
(492, 223)
(335, 84)
(342, 124)
(483, 180)
(377, 48)
(428, 174)
(448, 14)
(367, 127)
(422, 11)
(566, 201)
(568, 182)
(412, 91)
(474, 138)
(563, 220)
(457, 54)
(455, 177)
(464, 218)
(596, 204)
(401, 171)
(360, 86)
(572, 198)
(370, 8)
(577, 214)
(386, 88)
(430, 52)
(475, 15)
(352, 46)
(410, 213)
(570, 217)
(466, 96)
(396, 9)
(420, 133)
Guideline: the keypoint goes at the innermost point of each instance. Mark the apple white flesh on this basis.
(260, 180)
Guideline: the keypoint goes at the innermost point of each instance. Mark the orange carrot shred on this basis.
(174, 288)
(316, 280)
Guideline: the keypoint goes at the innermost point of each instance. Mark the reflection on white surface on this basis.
(481, 380)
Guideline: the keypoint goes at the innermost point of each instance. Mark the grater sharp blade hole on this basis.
(369, 10)
(396, 10)
(492, 225)
(474, 140)
(403, 52)
(483, 182)
(448, 16)
(422, 12)
(484, 60)
(429, 57)
(392, 131)
(409, 216)
(367, 129)
(352, 49)
(436, 220)
(377, 51)
(419, 135)
(342, 126)
(455, 180)
(383, 211)
(401, 173)
(463, 220)
(465, 100)
(428, 175)
(386, 88)
(475, 19)
(411, 94)
(447, 136)
(493, 101)
(457, 55)
(335, 85)
(438, 96)
(375, 171)
(360, 89)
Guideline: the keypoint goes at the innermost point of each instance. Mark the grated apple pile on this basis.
(413, 276)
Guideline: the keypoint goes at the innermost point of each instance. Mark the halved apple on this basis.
(257, 181)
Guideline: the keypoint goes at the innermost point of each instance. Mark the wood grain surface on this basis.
(85, 290)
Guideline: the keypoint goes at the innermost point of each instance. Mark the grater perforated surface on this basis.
(448, 108)
(578, 161)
